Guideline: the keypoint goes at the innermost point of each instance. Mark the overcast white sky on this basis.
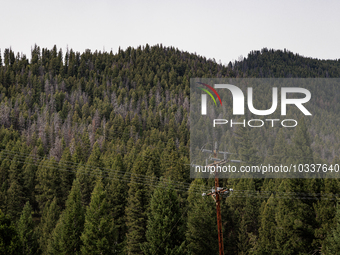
(223, 30)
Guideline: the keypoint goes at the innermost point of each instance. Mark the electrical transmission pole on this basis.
(217, 193)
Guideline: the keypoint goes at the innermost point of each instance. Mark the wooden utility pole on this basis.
(218, 209)
(216, 194)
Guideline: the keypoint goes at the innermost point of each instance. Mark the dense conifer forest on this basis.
(94, 159)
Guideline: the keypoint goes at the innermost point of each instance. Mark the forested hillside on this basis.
(94, 159)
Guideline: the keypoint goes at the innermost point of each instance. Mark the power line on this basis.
(73, 164)
(157, 182)
(124, 176)
(147, 180)
(274, 155)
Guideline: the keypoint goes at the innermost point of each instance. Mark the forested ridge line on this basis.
(128, 112)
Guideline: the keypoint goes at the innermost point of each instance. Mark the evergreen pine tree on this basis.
(14, 199)
(87, 174)
(171, 163)
(29, 180)
(15, 195)
(294, 220)
(99, 234)
(26, 231)
(48, 182)
(302, 152)
(165, 226)
(246, 150)
(48, 222)
(280, 150)
(9, 239)
(266, 241)
(326, 210)
(242, 215)
(138, 204)
(243, 244)
(116, 198)
(332, 242)
(66, 235)
(201, 234)
(67, 174)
